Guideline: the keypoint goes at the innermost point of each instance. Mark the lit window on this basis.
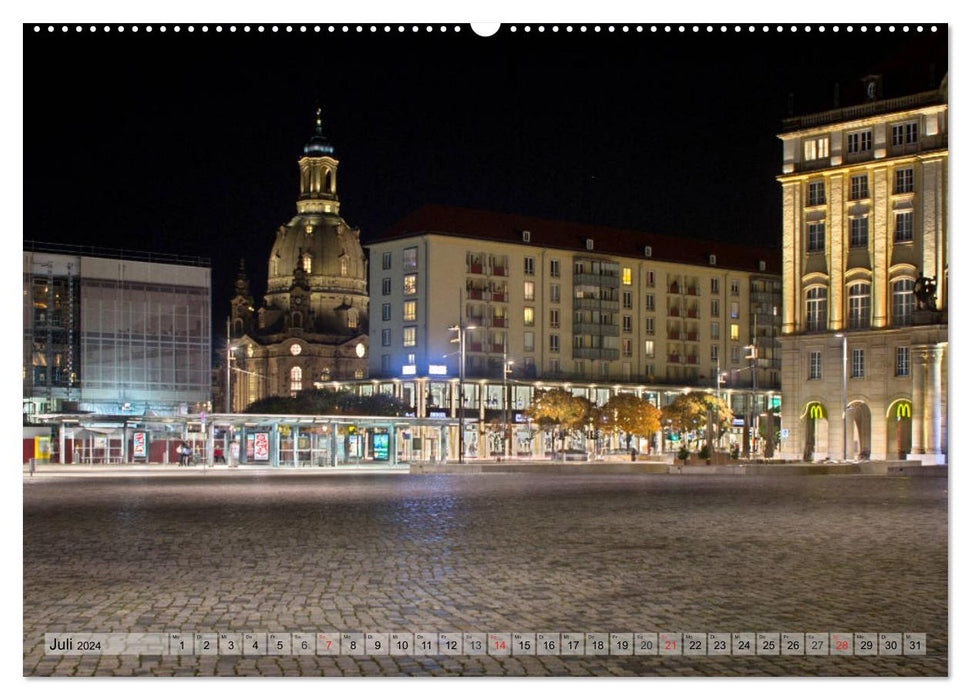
(626, 276)
(816, 148)
(408, 336)
(733, 331)
(529, 291)
(307, 263)
(411, 284)
(856, 363)
(528, 316)
(409, 258)
(734, 310)
(296, 380)
(649, 348)
(409, 311)
(343, 267)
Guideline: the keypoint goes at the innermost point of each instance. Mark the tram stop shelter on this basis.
(271, 440)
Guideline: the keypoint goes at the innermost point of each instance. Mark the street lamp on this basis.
(229, 359)
(460, 329)
(506, 369)
(843, 336)
(752, 366)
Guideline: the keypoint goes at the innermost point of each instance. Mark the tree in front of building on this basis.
(331, 403)
(631, 415)
(561, 411)
(688, 413)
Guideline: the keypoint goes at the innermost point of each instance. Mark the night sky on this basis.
(188, 144)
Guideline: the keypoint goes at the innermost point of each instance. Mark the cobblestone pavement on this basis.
(295, 552)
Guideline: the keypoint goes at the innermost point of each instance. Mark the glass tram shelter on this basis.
(251, 440)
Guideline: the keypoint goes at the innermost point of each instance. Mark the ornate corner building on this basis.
(312, 326)
(865, 278)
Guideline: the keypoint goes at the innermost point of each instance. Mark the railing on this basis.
(674, 359)
(692, 291)
(596, 280)
(498, 322)
(498, 296)
(475, 268)
(692, 313)
(597, 353)
(857, 111)
(596, 329)
(499, 271)
(692, 336)
(674, 335)
(116, 253)
(674, 312)
(589, 303)
(475, 293)
(475, 347)
(691, 360)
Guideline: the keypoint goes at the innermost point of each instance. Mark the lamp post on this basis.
(843, 337)
(505, 400)
(229, 358)
(460, 330)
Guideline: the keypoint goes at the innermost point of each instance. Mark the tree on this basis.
(560, 410)
(632, 415)
(688, 413)
(330, 402)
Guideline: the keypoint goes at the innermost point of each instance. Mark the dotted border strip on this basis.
(414, 28)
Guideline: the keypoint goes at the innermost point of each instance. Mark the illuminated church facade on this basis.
(312, 325)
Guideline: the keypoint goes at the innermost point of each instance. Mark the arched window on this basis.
(343, 267)
(237, 326)
(307, 263)
(902, 302)
(329, 182)
(297, 320)
(296, 380)
(859, 306)
(816, 309)
(352, 318)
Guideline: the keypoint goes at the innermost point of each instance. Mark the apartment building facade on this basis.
(864, 346)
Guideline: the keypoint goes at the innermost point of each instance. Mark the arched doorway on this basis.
(858, 430)
(899, 429)
(815, 424)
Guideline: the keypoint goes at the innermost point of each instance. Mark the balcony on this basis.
(692, 313)
(674, 313)
(474, 268)
(475, 347)
(611, 281)
(674, 359)
(475, 293)
(499, 271)
(692, 337)
(691, 360)
(596, 304)
(597, 329)
(692, 291)
(496, 348)
(499, 322)
(596, 353)
(675, 288)
(674, 335)
(497, 296)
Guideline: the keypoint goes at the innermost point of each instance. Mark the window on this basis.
(859, 142)
(859, 187)
(386, 261)
(816, 148)
(733, 331)
(385, 364)
(650, 278)
(715, 330)
(296, 380)
(554, 318)
(527, 315)
(903, 180)
(343, 266)
(554, 343)
(859, 230)
(856, 363)
(733, 313)
(714, 285)
(816, 309)
(649, 326)
(409, 311)
(554, 367)
(902, 366)
(649, 348)
(627, 347)
(736, 287)
(554, 268)
(410, 258)
(385, 312)
(649, 302)
(308, 264)
(625, 276)
(902, 305)
(352, 318)
(715, 309)
(528, 340)
(408, 337)
(411, 284)
(714, 353)
(386, 337)
(815, 365)
(859, 302)
(554, 294)
(736, 354)
(903, 133)
(903, 227)
(529, 266)
(816, 194)
(816, 237)
(529, 291)
(386, 286)
(628, 324)
(628, 300)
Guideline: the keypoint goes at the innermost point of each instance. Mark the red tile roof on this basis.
(508, 228)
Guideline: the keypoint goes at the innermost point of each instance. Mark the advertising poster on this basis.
(261, 447)
(381, 442)
(138, 442)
